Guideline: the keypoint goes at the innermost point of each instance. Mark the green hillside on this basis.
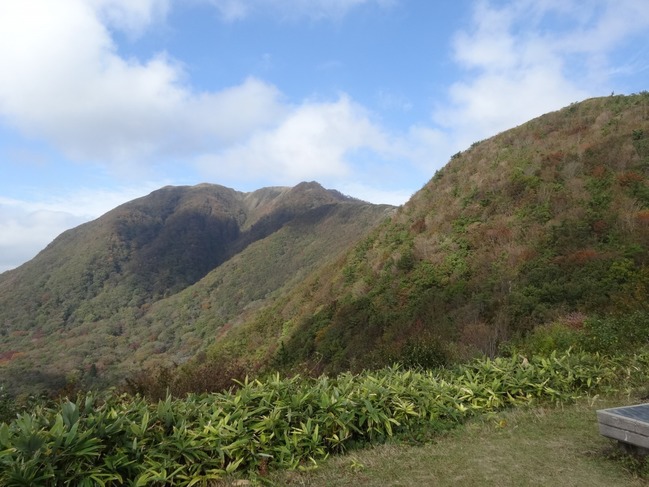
(532, 246)
(545, 223)
(117, 293)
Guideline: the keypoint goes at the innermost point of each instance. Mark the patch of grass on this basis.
(537, 446)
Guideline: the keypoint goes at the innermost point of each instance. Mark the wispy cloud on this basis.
(372, 193)
(233, 10)
(24, 233)
(516, 59)
(524, 58)
(27, 226)
(132, 16)
(97, 106)
(339, 143)
(312, 141)
(393, 101)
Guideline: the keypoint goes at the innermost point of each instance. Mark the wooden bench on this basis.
(629, 425)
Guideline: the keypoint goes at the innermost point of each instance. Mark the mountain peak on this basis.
(101, 278)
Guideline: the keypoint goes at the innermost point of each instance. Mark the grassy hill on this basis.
(541, 232)
(154, 279)
(547, 223)
(544, 223)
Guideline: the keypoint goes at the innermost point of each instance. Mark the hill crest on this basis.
(547, 222)
(100, 279)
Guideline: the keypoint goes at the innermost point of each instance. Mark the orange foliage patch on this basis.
(223, 330)
(629, 178)
(599, 171)
(600, 226)
(526, 254)
(577, 129)
(498, 233)
(8, 356)
(419, 226)
(581, 256)
(555, 157)
(643, 217)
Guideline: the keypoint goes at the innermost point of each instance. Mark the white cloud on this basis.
(314, 140)
(392, 101)
(375, 194)
(90, 203)
(62, 79)
(132, 16)
(526, 58)
(26, 227)
(339, 144)
(24, 233)
(232, 10)
(515, 72)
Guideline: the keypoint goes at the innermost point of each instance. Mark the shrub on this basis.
(276, 423)
(616, 334)
(543, 340)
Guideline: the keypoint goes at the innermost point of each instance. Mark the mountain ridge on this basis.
(544, 223)
(102, 277)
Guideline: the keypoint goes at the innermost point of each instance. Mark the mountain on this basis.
(154, 279)
(544, 223)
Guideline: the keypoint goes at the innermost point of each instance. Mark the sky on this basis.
(104, 101)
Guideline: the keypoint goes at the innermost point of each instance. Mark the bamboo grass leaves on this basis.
(276, 423)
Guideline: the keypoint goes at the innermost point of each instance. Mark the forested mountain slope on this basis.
(107, 296)
(547, 222)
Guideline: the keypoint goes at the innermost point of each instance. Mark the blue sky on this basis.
(103, 101)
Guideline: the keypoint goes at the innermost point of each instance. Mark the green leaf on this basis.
(4, 435)
(230, 468)
(70, 414)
